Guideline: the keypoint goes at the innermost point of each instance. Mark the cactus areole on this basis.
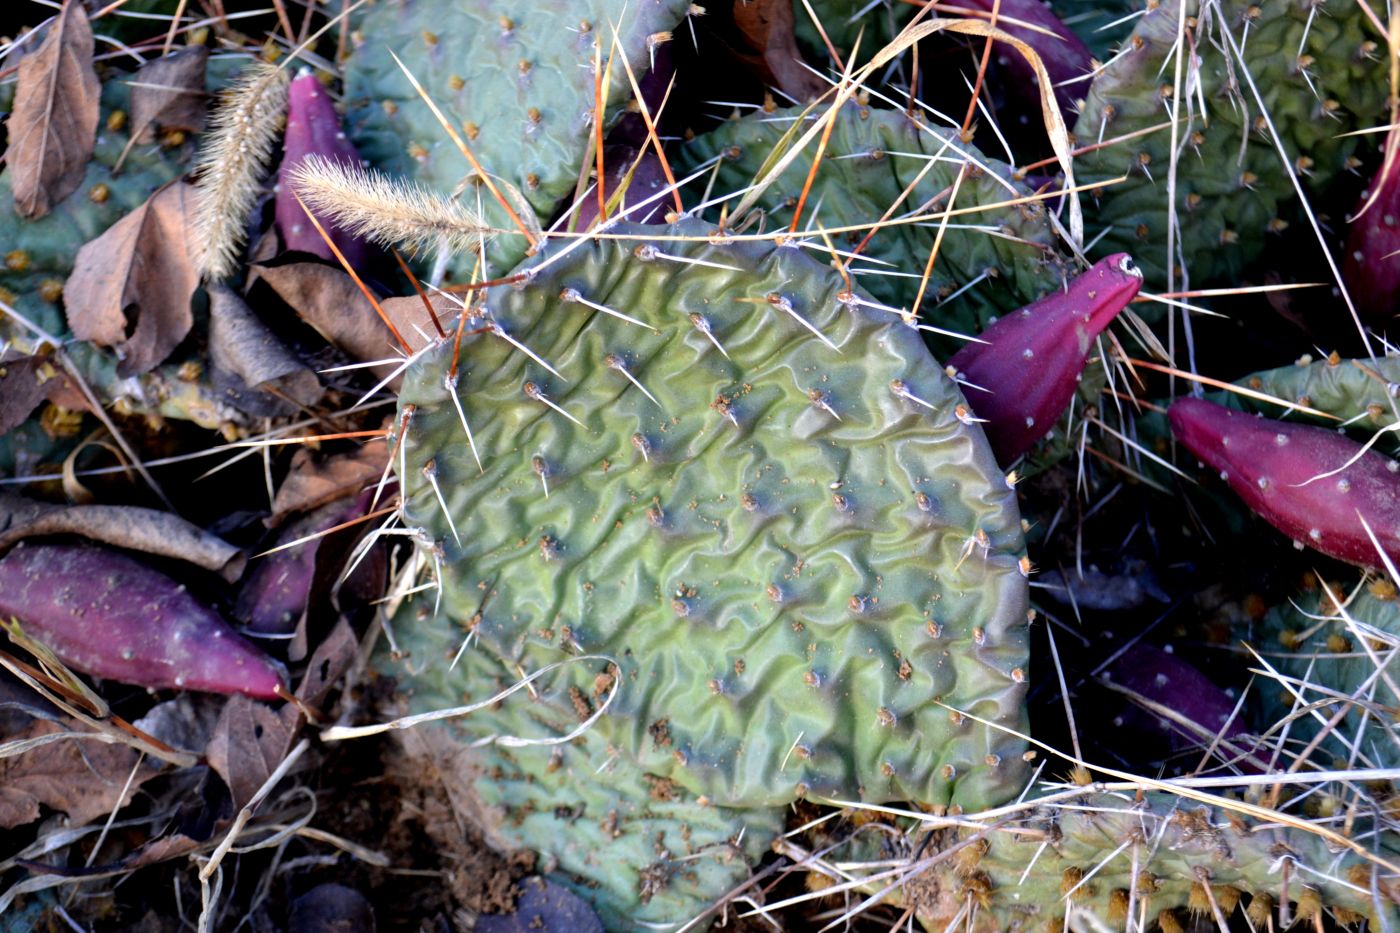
(1316, 486)
(762, 501)
(1022, 377)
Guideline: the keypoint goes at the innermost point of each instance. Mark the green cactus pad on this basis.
(1313, 641)
(790, 555)
(1097, 856)
(870, 159)
(638, 847)
(1361, 392)
(1320, 72)
(515, 80)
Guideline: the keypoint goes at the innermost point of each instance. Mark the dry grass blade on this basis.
(389, 211)
(233, 163)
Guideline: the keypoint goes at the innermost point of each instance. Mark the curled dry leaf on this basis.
(53, 124)
(83, 777)
(314, 480)
(137, 279)
(330, 301)
(330, 661)
(132, 527)
(168, 94)
(244, 355)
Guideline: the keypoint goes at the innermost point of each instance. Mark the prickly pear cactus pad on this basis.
(1330, 651)
(639, 848)
(515, 80)
(1321, 73)
(1360, 393)
(1170, 858)
(995, 260)
(765, 503)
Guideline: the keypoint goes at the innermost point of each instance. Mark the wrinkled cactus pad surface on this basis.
(768, 507)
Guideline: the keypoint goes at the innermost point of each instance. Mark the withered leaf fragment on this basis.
(21, 389)
(168, 94)
(53, 126)
(314, 480)
(330, 301)
(247, 357)
(131, 287)
(250, 741)
(767, 28)
(83, 777)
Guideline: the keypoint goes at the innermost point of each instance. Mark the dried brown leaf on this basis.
(314, 480)
(53, 124)
(160, 850)
(22, 388)
(330, 661)
(412, 320)
(168, 94)
(249, 743)
(246, 357)
(330, 301)
(767, 28)
(131, 287)
(81, 777)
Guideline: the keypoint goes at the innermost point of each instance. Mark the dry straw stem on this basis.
(233, 162)
(389, 211)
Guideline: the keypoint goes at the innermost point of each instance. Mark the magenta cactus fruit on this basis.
(1160, 677)
(1371, 266)
(107, 615)
(1064, 54)
(274, 593)
(313, 128)
(1022, 377)
(1318, 487)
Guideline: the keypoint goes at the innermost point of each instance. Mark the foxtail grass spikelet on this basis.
(233, 162)
(389, 211)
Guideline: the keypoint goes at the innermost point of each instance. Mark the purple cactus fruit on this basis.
(1161, 677)
(1277, 468)
(1022, 378)
(313, 128)
(274, 594)
(647, 179)
(107, 615)
(1064, 54)
(1371, 266)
